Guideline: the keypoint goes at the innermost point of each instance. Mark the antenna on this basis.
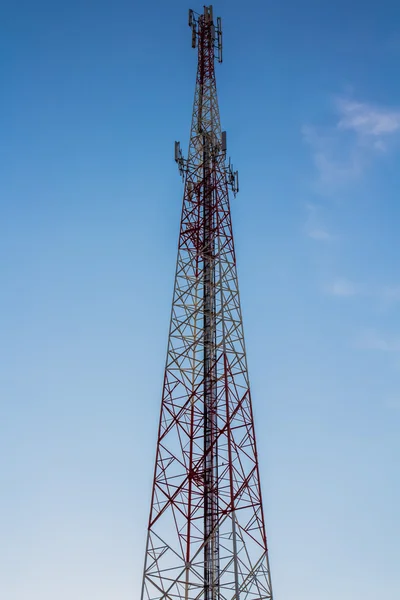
(179, 159)
(233, 178)
(223, 145)
(219, 39)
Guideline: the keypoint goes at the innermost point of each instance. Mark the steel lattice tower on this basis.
(206, 533)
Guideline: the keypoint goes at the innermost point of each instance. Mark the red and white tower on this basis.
(206, 534)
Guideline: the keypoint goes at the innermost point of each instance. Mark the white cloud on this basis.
(342, 287)
(393, 403)
(372, 340)
(314, 228)
(335, 161)
(319, 234)
(390, 293)
(387, 295)
(367, 120)
(343, 151)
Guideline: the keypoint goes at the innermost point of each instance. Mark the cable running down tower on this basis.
(206, 535)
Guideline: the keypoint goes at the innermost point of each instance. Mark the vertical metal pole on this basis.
(207, 384)
(211, 547)
(235, 556)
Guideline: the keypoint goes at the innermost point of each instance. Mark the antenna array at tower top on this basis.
(215, 30)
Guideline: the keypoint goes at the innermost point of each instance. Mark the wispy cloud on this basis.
(367, 120)
(335, 164)
(390, 293)
(320, 234)
(342, 287)
(393, 403)
(314, 227)
(386, 295)
(343, 151)
(373, 340)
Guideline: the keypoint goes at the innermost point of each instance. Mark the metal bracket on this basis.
(233, 178)
(181, 162)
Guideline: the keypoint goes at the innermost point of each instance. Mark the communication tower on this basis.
(206, 536)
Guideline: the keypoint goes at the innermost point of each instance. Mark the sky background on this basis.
(93, 95)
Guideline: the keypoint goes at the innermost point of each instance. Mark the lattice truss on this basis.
(175, 553)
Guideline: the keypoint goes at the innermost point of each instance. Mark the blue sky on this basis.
(93, 95)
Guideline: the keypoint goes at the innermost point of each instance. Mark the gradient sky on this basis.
(93, 95)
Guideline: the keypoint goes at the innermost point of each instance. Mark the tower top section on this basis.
(205, 31)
